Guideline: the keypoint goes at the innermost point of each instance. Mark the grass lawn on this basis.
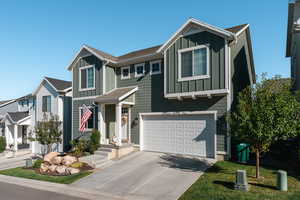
(31, 174)
(217, 184)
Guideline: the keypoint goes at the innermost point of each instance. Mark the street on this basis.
(15, 192)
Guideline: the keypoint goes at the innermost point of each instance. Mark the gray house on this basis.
(169, 98)
(6, 106)
(293, 41)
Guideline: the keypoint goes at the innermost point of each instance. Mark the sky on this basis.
(40, 38)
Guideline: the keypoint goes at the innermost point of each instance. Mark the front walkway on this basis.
(18, 161)
(146, 175)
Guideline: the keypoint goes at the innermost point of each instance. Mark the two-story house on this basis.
(293, 41)
(169, 98)
(52, 96)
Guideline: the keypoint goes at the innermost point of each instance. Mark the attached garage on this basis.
(187, 133)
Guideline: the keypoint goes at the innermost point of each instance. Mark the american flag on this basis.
(86, 114)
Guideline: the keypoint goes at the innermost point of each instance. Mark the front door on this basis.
(24, 135)
(125, 123)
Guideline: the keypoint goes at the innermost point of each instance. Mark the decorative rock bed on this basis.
(56, 165)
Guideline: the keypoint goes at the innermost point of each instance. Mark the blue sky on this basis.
(40, 38)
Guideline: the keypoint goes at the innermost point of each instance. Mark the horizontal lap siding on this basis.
(76, 105)
(90, 60)
(216, 68)
(150, 98)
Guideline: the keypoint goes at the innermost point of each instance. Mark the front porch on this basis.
(115, 115)
(17, 128)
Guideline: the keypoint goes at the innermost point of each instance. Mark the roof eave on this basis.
(225, 33)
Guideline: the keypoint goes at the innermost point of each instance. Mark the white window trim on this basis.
(87, 129)
(125, 77)
(87, 67)
(135, 71)
(207, 63)
(155, 62)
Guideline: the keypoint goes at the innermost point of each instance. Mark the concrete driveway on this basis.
(147, 175)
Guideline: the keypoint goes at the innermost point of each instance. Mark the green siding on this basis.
(150, 98)
(110, 78)
(240, 67)
(90, 60)
(217, 67)
(76, 105)
(110, 120)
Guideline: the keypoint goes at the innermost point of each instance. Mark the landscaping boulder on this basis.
(71, 170)
(50, 156)
(69, 160)
(56, 160)
(52, 168)
(61, 170)
(44, 167)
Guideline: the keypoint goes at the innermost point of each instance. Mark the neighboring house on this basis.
(293, 41)
(6, 106)
(169, 98)
(53, 96)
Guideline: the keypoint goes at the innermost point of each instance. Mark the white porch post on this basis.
(119, 123)
(16, 137)
(101, 123)
(129, 124)
(7, 136)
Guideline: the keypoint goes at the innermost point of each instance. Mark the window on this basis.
(155, 67)
(46, 107)
(193, 63)
(87, 78)
(125, 72)
(139, 70)
(90, 123)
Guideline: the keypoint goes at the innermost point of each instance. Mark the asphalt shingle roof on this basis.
(59, 84)
(17, 116)
(114, 95)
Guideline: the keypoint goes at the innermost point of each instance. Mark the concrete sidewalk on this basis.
(59, 188)
(19, 161)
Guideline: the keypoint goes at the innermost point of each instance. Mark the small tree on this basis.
(265, 113)
(47, 131)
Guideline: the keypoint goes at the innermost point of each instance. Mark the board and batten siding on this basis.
(82, 62)
(216, 80)
(150, 98)
(110, 78)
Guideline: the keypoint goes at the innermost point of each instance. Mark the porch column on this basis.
(119, 123)
(7, 136)
(101, 122)
(16, 137)
(129, 124)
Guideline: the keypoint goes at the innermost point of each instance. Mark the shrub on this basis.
(37, 164)
(79, 146)
(77, 165)
(94, 142)
(2, 144)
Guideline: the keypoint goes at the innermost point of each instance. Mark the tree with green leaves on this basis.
(265, 113)
(48, 131)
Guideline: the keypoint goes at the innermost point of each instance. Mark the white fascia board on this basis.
(128, 93)
(195, 94)
(24, 119)
(242, 30)
(221, 31)
(4, 104)
(91, 51)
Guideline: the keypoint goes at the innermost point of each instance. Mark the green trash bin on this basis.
(243, 151)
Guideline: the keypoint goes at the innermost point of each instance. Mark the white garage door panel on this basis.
(182, 134)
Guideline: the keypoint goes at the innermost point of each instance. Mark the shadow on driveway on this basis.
(184, 163)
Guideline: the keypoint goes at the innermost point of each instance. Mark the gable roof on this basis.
(4, 102)
(116, 95)
(17, 116)
(229, 33)
(59, 85)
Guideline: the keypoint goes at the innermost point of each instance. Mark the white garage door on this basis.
(180, 134)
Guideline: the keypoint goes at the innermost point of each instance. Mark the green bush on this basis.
(77, 165)
(94, 142)
(37, 164)
(2, 144)
(79, 146)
